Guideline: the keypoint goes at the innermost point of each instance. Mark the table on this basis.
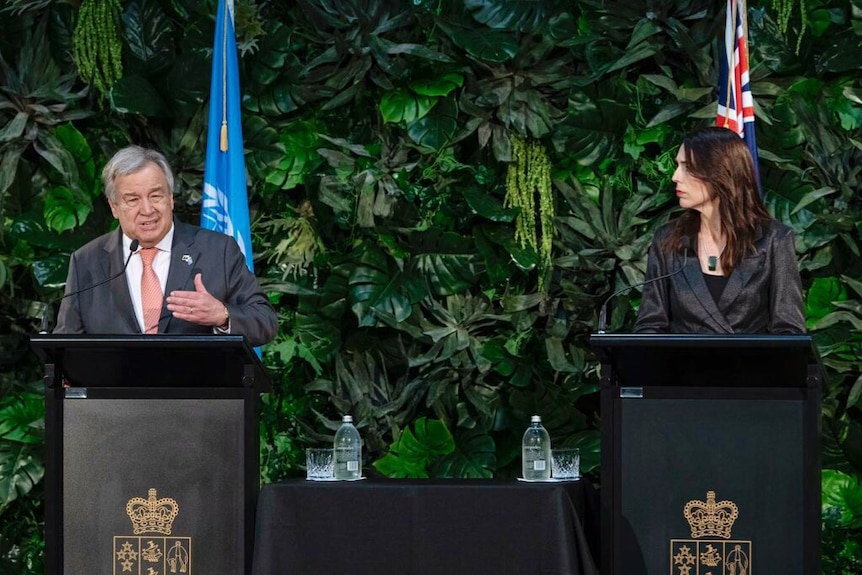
(418, 527)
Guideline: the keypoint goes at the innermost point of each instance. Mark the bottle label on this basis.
(352, 466)
(538, 465)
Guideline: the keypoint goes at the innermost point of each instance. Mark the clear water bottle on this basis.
(348, 450)
(536, 451)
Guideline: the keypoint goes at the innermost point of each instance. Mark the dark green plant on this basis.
(413, 452)
(378, 136)
(842, 523)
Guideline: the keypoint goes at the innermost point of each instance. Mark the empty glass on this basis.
(319, 464)
(566, 463)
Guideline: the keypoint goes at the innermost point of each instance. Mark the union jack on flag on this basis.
(735, 102)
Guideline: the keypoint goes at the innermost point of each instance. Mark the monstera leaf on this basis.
(135, 94)
(147, 33)
(20, 472)
(844, 492)
(373, 287)
(438, 127)
(592, 129)
(404, 106)
(411, 455)
(474, 457)
(521, 15)
(491, 46)
(21, 432)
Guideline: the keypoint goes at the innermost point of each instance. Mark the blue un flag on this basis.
(225, 198)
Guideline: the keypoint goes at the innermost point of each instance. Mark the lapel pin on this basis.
(188, 259)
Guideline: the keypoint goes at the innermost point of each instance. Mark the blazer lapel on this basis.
(740, 277)
(697, 287)
(743, 272)
(182, 269)
(119, 287)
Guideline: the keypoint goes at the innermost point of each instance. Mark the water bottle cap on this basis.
(347, 419)
(536, 419)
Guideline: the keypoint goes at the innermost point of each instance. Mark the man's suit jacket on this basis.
(107, 309)
(763, 293)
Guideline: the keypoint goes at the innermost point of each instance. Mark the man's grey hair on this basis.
(128, 161)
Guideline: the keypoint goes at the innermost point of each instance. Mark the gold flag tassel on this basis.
(223, 134)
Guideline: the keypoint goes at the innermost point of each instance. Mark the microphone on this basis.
(46, 313)
(685, 244)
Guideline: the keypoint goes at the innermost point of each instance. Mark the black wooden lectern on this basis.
(152, 453)
(710, 454)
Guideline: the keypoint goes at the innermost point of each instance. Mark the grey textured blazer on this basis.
(763, 293)
(107, 309)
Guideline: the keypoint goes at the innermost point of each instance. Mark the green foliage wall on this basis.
(443, 194)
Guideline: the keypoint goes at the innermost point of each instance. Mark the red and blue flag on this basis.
(735, 102)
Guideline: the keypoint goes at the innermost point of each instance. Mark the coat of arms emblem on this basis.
(152, 549)
(711, 550)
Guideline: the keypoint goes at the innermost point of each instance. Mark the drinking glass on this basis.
(566, 463)
(319, 464)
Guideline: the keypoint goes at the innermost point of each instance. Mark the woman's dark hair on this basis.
(720, 159)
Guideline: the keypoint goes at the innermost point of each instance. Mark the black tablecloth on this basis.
(412, 527)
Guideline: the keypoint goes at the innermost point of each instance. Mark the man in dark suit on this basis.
(201, 283)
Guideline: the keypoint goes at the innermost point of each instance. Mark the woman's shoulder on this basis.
(775, 229)
(664, 231)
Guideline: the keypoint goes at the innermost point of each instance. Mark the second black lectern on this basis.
(152, 453)
(710, 454)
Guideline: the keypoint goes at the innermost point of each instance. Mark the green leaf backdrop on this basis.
(379, 139)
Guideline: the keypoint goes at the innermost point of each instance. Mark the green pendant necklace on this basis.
(712, 263)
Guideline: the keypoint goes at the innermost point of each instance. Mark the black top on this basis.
(715, 285)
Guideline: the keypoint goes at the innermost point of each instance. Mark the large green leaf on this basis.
(20, 471)
(274, 56)
(266, 153)
(592, 128)
(438, 127)
(403, 106)
(445, 274)
(373, 288)
(22, 418)
(840, 54)
(147, 32)
(438, 87)
(63, 210)
(134, 94)
(51, 271)
(84, 178)
(488, 206)
(843, 492)
(414, 451)
(492, 46)
(521, 15)
(188, 83)
(821, 297)
(474, 457)
(31, 228)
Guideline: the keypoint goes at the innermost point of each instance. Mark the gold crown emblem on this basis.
(152, 515)
(711, 519)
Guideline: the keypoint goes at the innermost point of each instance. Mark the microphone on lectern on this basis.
(46, 313)
(685, 244)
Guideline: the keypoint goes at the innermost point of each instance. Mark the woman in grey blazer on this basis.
(725, 265)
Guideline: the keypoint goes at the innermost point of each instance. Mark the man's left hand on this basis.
(197, 306)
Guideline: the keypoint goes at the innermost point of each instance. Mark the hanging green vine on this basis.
(784, 10)
(96, 47)
(528, 188)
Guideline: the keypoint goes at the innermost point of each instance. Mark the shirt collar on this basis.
(164, 245)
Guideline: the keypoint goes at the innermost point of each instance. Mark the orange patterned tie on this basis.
(151, 291)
